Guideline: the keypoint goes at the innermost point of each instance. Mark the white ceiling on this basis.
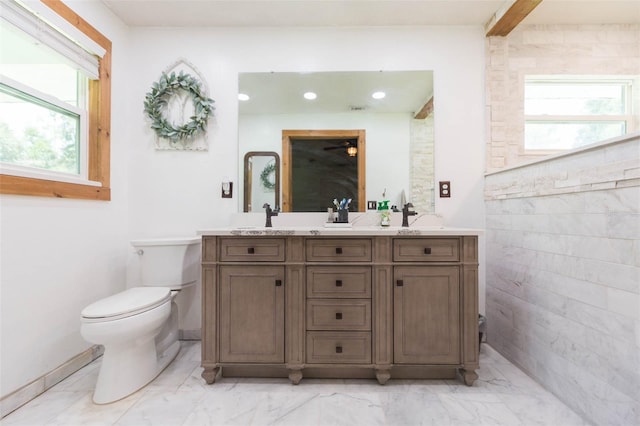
(338, 92)
(353, 13)
(276, 13)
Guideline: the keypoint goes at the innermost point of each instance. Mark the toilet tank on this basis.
(168, 262)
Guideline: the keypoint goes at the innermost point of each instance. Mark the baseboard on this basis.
(26, 393)
(190, 334)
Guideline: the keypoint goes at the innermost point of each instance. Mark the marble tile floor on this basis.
(503, 395)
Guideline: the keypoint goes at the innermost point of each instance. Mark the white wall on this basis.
(59, 255)
(179, 192)
(176, 193)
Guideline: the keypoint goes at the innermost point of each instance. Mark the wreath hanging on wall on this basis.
(156, 101)
(265, 176)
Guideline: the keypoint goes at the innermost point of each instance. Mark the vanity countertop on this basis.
(369, 231)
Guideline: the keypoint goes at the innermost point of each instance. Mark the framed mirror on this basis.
(261, 180)
(398, 121)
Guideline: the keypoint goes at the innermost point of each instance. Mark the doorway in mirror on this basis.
(320, 166)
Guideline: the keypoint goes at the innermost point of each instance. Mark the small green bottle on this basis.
(385, 213)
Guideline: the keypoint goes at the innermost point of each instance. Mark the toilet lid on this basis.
(129, 301)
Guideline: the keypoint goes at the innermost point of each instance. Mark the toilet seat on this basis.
(127, 303)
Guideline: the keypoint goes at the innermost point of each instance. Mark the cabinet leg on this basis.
(383, 376)
(295, 376)
(209, 375)
(468, 376)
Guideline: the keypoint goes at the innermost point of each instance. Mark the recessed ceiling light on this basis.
(378, 95)
(243, 97)
(310, 95)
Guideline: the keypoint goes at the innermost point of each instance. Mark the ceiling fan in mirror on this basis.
(350, 147)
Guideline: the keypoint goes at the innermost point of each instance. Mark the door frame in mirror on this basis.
(248, 177)
(287, 163)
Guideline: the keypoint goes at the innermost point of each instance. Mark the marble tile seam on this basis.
(621, 378)
(530, 319)
(560, 188)
(526, 283)
(598, 318)
(568, 339)
(608, 275)
(583, 390)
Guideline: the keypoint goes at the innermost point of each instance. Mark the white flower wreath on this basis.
(155, 103)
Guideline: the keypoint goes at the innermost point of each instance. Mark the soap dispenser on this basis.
(385, 213)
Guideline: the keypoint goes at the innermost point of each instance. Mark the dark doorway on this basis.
(322, 170)
(341, 142)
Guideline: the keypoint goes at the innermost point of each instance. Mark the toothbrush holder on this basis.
(343, 216)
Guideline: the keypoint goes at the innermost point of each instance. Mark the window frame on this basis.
(98, 139)
(51, 103)
(627, 118)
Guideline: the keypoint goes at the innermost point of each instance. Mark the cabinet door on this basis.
(427, 315)
(252, 314)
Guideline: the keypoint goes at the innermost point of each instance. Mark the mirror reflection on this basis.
(261, 180)
(393, 108)
(323, 165)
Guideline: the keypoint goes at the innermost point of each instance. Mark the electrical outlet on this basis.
(445, 189)
(372, 205)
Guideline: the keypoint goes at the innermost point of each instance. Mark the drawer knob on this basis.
(338, 349)
(338, 283)
(278, 283)
(427, 250)
(338, 315)
(338, 250)
(399, 283)
(251, 250)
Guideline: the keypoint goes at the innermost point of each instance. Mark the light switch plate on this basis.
(372, 205)
(229, 192)
(445, 189)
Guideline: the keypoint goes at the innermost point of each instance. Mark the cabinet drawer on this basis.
(339, 281)
(426, 249)
(334, 314)
(338, 347)
(252, 249)
(339, 250)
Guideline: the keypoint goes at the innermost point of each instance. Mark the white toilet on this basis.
(139, 326)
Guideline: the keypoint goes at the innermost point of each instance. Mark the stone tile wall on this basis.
(563, 276)
(547, 49)
(422, 191)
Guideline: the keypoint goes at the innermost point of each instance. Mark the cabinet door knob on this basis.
(399, 283)
(427, 250)
(278, 283)
(338, 349)
(251, 250)
(338, 283)
(338, 250)
(338, 315)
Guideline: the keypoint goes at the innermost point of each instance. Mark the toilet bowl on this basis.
(139, 326)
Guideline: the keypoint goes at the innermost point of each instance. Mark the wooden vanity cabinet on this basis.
(426, 315)
(314, 306)
(251, 314)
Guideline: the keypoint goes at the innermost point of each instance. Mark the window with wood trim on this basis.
(69, 147)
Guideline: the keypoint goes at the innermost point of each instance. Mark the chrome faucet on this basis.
(406, 213)
(270, 213)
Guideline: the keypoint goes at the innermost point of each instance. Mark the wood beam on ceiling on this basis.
(425, 110)
(509, 16)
